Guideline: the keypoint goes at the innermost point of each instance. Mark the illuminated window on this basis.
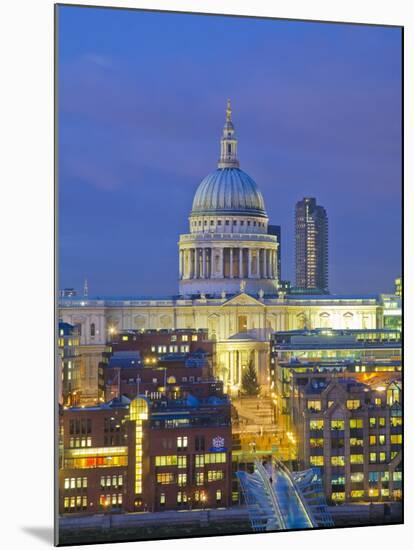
(352, 404)
(214, 458)
(337, 424)
(382, 457)
(338, 496)
(215, 475)
(182, 442)
(199, 461)
(372, 457)
(316, 460)
(199, 478)
(373, 492)
(372, 422)
(182, 461)
(162, 499)
(218, 495)
(166, 460)
(315, 442)
(372, 439)
(357, 459)
(316, 424)
(181, 497)
(381, 421)
(385, 492)
(381, 439)
(357, 477)
(356, 442)
(396, 421)
(356, 423)
(338, 460)
(184, 338)
(357, 494)
(165, 478)
(397, 476)
(314, 405)
(182, 480)
(194, 338)
(396, 439)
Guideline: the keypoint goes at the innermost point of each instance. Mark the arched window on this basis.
(171, 380)
(92, 329)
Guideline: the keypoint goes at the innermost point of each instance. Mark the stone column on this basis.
(258, 263)
(222, 262)
(249, 263)
(203, 275)
(231, 264)
(240, 263)
(274, 264)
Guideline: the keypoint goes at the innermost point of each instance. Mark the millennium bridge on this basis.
(278, 499)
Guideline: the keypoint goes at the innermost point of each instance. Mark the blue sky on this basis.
(142, 97)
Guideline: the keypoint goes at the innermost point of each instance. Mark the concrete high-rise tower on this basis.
(311, 236)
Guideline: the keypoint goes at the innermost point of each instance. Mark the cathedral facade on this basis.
(228, 283)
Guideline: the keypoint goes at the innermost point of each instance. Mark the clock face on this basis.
(218, 442)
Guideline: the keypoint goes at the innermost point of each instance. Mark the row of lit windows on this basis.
(373, 477)
(112, 481)
(339, 460)
(75, 482)
(80, 442)
(110, 500)
(199, 496)
(340, 496)
(227, 222)
(75, 503)
(355, 423)
(200, 459)
(96, 462)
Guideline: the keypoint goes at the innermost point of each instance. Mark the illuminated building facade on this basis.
(69, 377)
(146, 455)
(370, 351)
(311, 252)
(398, 287)
(353, 432)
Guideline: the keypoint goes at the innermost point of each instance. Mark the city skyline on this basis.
(125, 142)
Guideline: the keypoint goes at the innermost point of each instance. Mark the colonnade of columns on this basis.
(238, 263)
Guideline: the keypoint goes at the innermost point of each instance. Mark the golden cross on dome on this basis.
(228, 110)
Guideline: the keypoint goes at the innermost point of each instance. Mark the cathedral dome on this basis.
(228, 190)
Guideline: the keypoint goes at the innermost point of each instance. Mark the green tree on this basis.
(250, 385)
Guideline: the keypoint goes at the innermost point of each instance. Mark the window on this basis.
(372, 457)
(316, 424)
(372, 439)
(181, 497)
(373, 477)
(182, 480)
(396, 421)
(396, 439)
(352, 404)
(314, 405)
(356, 442)
(356, 423)
(166, 460)
(338, 460)
(337, 424)
(372, 422)
(215, 475)
(357, 477)
(165, 478)
(194, 338)
(338, 480)
(182, 442)
(214, 458)
(338, 496)
(316, 442)
(92, 329)
(162, 499)
(199, 443)
(316, 460)
(382, 457)
(199, 461)
(357, 494)
(182, 462)
(199, 478)
(381, 439)
(218, 495)
(184, 338)
(357, 459)
(381, 421)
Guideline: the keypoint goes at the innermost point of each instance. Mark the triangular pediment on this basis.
(242, 299)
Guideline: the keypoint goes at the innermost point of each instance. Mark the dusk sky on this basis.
(142, 98)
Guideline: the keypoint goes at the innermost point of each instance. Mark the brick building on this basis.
(146, 454)
(352, 430)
